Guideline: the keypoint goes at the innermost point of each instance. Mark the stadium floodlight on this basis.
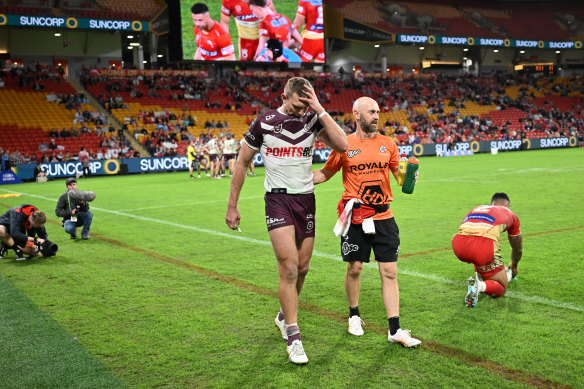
(130, 36)
(160, 56)
(57, 34)
(465, 49)
(495, 51)
(422, 47)
(130, 47)
(376, 46)
(522, 52)
(134, 44)
(557, 51)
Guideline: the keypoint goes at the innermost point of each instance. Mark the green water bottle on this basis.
(410, 179)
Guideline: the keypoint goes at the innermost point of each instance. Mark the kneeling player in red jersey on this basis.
(477, 242)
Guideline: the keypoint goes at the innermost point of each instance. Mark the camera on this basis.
(82, 206)
(48, 248)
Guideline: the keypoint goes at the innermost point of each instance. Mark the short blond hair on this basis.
(295, 85)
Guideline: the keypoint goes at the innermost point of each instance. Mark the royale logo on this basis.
(368, 166)
(352, 153)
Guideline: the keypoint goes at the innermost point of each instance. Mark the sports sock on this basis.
(393, 324)
(293, 333)
(354, 311)
(280, 315)
(494, 289)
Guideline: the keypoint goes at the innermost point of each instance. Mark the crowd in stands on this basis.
(433, 108)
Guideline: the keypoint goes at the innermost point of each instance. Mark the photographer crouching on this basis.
(73, 207)
(22, 229)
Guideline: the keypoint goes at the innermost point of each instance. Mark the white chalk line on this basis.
(243, 238)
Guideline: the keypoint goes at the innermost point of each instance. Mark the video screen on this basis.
(253, 30)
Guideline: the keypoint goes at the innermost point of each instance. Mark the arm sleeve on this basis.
(334, 162)
(41, 232)
(62, 209)
(514, 229)
(254, 137)
(17, 220)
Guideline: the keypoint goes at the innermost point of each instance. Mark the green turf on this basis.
(165, 295)
(284, 7)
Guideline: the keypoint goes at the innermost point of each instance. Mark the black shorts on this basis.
(291, 210)
(385, 242)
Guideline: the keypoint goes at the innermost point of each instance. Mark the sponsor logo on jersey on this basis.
(368, 166)
(352, 153)
(310, 225)
(348, 247)
(270, 117)
(289, 151)
(310, 216)
(383, 149)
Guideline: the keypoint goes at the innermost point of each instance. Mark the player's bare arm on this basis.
(332, 134)
(516, 243)
(298, 21)
(246, 154)
(321, 175)
(225, 21)
(198, 55)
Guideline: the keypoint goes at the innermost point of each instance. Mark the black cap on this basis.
(70, 180)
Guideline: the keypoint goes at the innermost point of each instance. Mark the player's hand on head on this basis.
(310, 99)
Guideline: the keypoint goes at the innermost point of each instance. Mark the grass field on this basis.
(166, 296)
(284, 7)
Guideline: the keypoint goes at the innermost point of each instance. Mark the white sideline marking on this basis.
(431, 277)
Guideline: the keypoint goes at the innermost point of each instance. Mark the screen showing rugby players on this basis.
(253, 30)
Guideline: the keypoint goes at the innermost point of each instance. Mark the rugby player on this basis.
(285, 138)
(310, 14)
(273, 26)
(366, 168)
(477, 242)
(247, 25)
(213, 42)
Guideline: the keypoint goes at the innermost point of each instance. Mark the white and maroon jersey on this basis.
(229, 146)
(286, 144)
(313, 12)
(213, 146)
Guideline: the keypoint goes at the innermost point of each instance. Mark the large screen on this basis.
(253, 30)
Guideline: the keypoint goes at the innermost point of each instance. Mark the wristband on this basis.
(321, 115)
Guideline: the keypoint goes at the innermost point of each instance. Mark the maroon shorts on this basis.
(291, 210)
(480, 252)
(213, 158)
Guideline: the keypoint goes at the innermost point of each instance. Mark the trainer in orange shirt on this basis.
(366, 167)
(477, 242)
(213, 42)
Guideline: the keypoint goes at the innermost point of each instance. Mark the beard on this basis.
(367, 127)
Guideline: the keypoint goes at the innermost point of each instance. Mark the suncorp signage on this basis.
(72, 23)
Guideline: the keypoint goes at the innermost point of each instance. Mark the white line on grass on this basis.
(431, 277)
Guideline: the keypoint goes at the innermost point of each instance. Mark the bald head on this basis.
(366, 113)
(363, 102)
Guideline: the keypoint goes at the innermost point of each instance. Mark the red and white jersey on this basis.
(313, 12)
(286, 144)
(490, 221)
(276, 26)
(247, 23)
(215, 44)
